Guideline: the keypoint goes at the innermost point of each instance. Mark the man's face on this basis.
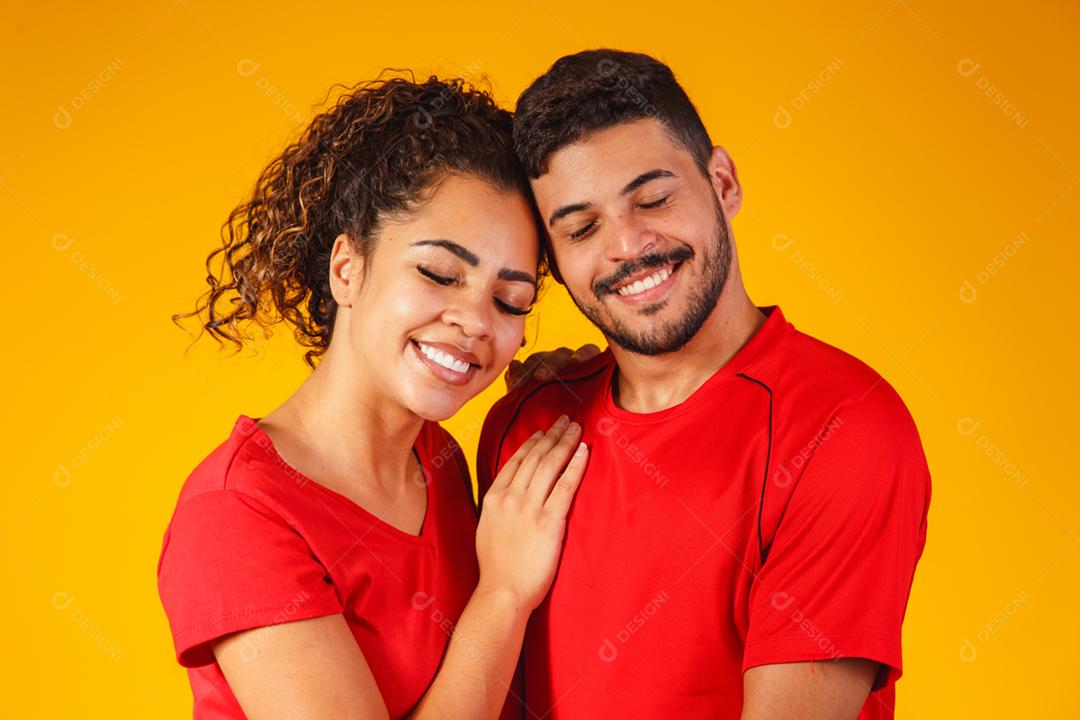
(639, 235)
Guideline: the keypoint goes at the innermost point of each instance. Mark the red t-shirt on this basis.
(253, 542)
(776, 515)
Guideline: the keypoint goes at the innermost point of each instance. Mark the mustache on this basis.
(604, 285)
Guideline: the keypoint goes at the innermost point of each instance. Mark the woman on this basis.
(319, 560)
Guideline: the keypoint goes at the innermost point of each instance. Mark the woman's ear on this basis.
(725, 181)
(346, 271)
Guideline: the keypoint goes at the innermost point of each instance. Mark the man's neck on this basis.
(650, 383)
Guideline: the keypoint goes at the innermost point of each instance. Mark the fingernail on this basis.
(562, 422)
(536, 434)
(573, 428)
(581, 449)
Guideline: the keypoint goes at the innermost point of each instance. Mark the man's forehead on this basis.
(604, 161)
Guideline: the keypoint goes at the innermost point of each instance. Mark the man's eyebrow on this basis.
(566, 210)
(631, 187)
(517, 276)
(644, 178)
(452, 247)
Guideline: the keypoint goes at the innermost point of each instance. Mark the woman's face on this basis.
(440, 311)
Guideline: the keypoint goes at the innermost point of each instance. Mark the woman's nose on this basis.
(473, 316)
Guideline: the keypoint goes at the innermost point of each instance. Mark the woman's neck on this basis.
(344, 427)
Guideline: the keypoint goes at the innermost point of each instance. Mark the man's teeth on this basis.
(646, 283)
(447, 361)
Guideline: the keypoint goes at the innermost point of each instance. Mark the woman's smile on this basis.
(446, 362)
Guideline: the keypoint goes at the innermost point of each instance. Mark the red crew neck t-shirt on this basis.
(776, 515)
(253, 542)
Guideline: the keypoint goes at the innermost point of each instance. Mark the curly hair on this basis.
(380, 151)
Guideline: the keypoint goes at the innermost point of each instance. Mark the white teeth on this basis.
(646, 284)
(446, 360)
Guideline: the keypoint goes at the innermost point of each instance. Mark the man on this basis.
(745, 537)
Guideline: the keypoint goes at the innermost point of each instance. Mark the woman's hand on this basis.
(545, 365)
(519, 539)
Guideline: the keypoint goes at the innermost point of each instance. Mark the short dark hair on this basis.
(596, 89)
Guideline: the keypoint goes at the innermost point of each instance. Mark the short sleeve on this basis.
(836, 578)
(228, 563)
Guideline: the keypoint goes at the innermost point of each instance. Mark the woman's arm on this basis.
(303, 669)
(314, 668)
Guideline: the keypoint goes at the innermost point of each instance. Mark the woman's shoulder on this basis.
(245, 463)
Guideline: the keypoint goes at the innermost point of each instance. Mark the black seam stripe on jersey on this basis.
(762, 550)
(517, 410)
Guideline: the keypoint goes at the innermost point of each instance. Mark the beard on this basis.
(659, 339)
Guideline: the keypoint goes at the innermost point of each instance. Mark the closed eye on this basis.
(508, 308)
(441, 280)
(446, 281)
(655, 203)
(582, 231)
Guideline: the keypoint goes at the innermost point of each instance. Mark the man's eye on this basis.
(508, 308)
(582, 231)
(655, 203)
(435, 278)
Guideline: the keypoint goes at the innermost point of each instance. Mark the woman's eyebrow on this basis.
(474, 261)
(453, 247)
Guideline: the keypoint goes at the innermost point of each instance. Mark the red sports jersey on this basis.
(253, 542)
(776, 515)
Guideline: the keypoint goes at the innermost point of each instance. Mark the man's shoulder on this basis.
(816, 372)
(814, 385)
(533, 405)
(568, 392)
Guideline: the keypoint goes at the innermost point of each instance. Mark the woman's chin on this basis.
(441, 401)
(437, 406)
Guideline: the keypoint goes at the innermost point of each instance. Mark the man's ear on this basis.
(725, 181)
(346, 271)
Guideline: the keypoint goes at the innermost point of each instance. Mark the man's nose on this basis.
(630, 238)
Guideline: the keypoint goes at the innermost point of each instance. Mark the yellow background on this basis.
(919, 144)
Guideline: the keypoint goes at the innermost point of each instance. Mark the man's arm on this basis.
(827, 690)
(839, 568)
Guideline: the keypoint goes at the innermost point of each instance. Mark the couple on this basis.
(717, 517)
